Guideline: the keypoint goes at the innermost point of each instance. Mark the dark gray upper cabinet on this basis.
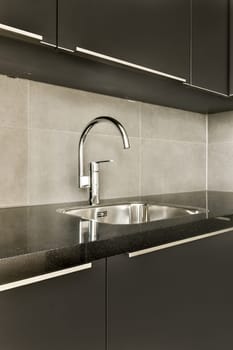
(38, 17)
(209, 45)
(63, 313)
(152, 33)
(174, 299)
(231, 46)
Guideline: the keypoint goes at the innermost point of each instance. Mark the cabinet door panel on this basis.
(153, 33)
(210, 44)
(62, 313)
(174, 299)
(38, 17)
(231, 47)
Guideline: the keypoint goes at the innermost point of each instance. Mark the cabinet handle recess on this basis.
(44, 277)
(175, 243)
(207, 90)
(19, 33)
(127, 63)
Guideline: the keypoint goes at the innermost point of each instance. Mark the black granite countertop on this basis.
(35, 240)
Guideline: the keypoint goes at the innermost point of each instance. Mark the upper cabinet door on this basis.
(209, 45)
(150, 33)
(34, 17)
(231, 48)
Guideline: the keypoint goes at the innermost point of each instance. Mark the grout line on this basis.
(174, 141)
(79, 132)
(28, 140)
(114, 135)
(140, 119)
(207, 153)
(140, 149)
(106, 135)
(220, 142)
(14, 127)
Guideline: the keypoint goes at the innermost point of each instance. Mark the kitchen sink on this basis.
(130, 213)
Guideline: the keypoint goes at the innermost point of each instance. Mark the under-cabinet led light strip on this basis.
(4, 29)
(207, 90)
(128, 64)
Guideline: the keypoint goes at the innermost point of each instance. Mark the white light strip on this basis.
(207, 90)
(48, 44)
(173, 244)
(18, 32)
(65, 49)
(129, 64)
(44, 277)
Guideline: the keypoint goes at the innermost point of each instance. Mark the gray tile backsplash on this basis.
(39, 133)
(221, 127)
(172, 124)
(13, 102)
(14, 163)
(52, 166)
(221, 166)
(172, 166)
(220, 160)
(60, 108)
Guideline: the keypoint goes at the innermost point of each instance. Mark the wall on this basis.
(220, 152)
(40, 126)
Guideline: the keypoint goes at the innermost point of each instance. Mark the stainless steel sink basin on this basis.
(130, 213)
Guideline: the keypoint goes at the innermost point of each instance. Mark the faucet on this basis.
(91, 181)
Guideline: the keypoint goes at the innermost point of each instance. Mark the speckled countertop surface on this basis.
(37, 239)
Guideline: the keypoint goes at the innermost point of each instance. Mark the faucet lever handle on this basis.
(94, 166)
(104, 161)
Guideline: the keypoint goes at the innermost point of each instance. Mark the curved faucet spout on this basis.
(84, 181)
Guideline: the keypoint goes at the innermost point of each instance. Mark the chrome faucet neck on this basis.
(86, 181)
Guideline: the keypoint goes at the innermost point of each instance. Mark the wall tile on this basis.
(13, 102)
(221, 166)
(60, 108)
(52, 167)
(172, 124)
(220, 162)
(172, 167)
(13, 160)
(221, 127)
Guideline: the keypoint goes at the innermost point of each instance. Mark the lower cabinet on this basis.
(63, 313)
(179, 298)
